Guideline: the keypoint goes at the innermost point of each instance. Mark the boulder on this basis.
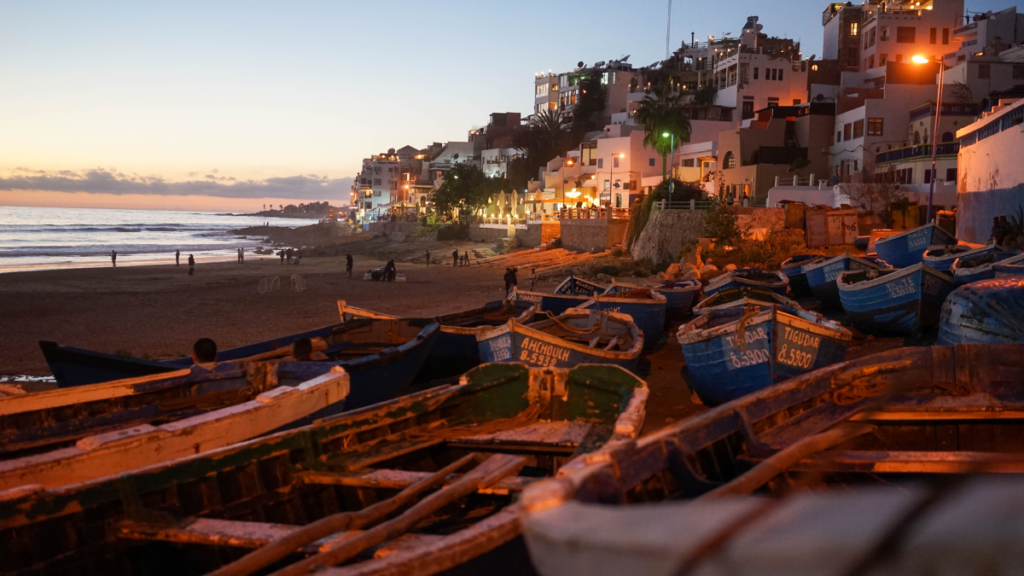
(691, 273)
(729, 267)
(672, 271)
(708, 270)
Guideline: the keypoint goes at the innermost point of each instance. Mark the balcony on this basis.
(922, 151)
(973, 26)
(778, 155)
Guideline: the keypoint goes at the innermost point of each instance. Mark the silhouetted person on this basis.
(467, 257)
(281, 254)
(302, 351)
(348, 264)
(113, 258)
(510, 280)
(428, 257)
(288, 255)
(204, 350)
(533, 278)
(177, 257)
(455, 257)
(298, 256)
(389, 271)
(191, 264)
(996, 230)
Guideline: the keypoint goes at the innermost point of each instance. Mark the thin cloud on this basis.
(111, 181)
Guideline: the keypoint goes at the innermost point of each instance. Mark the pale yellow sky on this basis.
(142, 201)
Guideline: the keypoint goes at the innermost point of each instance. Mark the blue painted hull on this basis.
(984, 312)
(942, 259)
(647, 314)
(1009, 270)
(516, 347)
(907, 301)
(772, 351)
(821, 277)
(739, 297)
(736, 279)
(793, 269)
(554, 303)
(573, 286)
(908, 248)
(982, 266)
(680, 296)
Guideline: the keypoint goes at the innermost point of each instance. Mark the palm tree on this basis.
(663, 115)
(545, 137)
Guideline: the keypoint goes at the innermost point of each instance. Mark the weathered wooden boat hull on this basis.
(647, 313)
(821, 276)
(966, 268)
(773, 345)
(907, 248)
(906, 414)
(272, 397)
(680, 295)
(740, 298)
(793, 269)
(986, 312)
(554, 303)
(374, 377)
(1008, 270)
(197, 514)
(573, 286)
(907, 301)
(532, 346)
(942, 258)
(736, 279)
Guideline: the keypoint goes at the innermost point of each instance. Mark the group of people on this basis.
(204, 351)
(460, 261)
(289, 254)
(191, 261)
(241, 255)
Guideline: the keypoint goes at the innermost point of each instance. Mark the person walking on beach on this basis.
(389, 271)
(510, 281)
(113, 258)
(467, 257)
(428, 258)
(191, 264)
(177, 257)
(455, 257)
(288, 255)
(348, 264)
(533, 279)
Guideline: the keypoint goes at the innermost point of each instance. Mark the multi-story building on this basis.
(497, 133)
(990, 173)
(912, 164)
(563, 91)
(985, 62)
(842, 24)
(376, 186)
(447, 157)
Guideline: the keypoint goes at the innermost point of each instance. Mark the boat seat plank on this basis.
(912, 462)
(612, 343)
(558, 433)
(594, 341)
(809, 423)
(384, 451)
(400, 479)
(215, 532)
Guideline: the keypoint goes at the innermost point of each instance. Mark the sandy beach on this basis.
(159, 311)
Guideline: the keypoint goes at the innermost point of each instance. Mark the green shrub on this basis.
(720, 223)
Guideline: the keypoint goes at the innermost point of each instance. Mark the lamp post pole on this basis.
(935, 137)
(671, 167)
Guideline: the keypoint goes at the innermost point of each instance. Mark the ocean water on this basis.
(43, 238)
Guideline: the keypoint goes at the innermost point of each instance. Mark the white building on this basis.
(376, 186)
(986, 61)
(494, 162)
(990, 171)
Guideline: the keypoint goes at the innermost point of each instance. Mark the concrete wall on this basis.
(666, 233)
(396, 231)
(991, 178)
(589, 235)
(487, 232)
(537, 233)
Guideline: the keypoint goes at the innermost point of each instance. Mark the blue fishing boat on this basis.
(680, 295)
(455, 350)
(544, 302)
(1008, 270)
(907, 248)
(566, 340)
(773, 280)
(732, 352)
(984, 312)
(382, 357)
(742, 297)
(573, 286)
(821, 276)
(906, 301)
(982, 266)
(793, 269)
(942, 258)
(645, 306)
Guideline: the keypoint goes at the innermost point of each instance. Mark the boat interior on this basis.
(366, 336)
(598, 330)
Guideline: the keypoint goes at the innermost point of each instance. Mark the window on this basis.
(607, 183)
(948, 137)
(542, 89)
(871, 61)
(376, 181)
(883, 34)
(874, 126)
(871, 37)
(687, 163)
(858, 129)
(600, 163)
(775, 73)
(945, 35)
(729, 161)
(748, 110)
(1018, 71)
(780, 73)
(881, 59)
(839, 135)
(755, 73)
(847, 131)
(376, 192)
(899, 57)
(615, 161)
(933, 36)
(950, 174)
(927, 176)
(796, 101)
(853, 29)
(984, 71)
(905, 34)
(650, 162)
(773, 102)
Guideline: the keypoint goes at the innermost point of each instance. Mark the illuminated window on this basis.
(729, 161)
(853, 29)
(875, 126)
(814, 68)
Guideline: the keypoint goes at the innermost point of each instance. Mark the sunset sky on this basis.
(150, 103)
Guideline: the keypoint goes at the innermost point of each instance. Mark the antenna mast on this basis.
(668, 31)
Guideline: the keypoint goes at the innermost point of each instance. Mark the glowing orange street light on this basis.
(918, 59)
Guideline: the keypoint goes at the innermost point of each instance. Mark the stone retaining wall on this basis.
(592, 235)
(538, 233)
(397, 231)
(666, 233)
(487, 233)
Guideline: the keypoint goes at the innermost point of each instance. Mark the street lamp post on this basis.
(935, 127)
(671, 166)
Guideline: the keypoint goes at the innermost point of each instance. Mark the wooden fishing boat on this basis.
(742, 297)
(821, 276)
(72, 435)
(942, 258)
(907, 248)
(567, 340)
(1008, 270)
(573, 286)
(906, 301)
(984, 312)
(395, 481)
(382, 357)
(645, 306)
(455, 348)
(891, 418)
(731, 352)
(982, 266)
(773, 280)
(544, 302)
(793, 269)
(680, 295)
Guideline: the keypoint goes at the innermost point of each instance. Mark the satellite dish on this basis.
(618, 185)
(579, 64)
(455, 156)
(819, 98)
